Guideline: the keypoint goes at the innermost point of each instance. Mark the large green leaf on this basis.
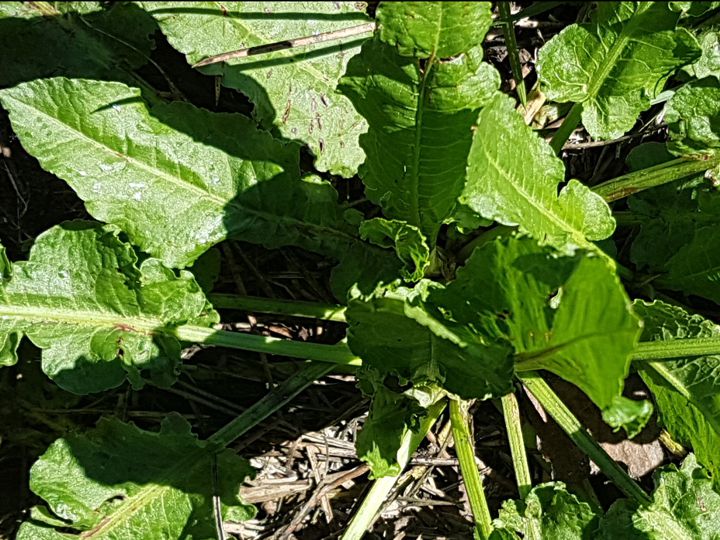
(395, 334)
(420, 116)
(513, 177)
(178, 179)
(684, 506)
(687, 390)
(566, 314)
(94, 43)
(693, 117)
(548, 511)
(120, 482)
(616, 64)
(708, 65)
(292, 90)
(433, 29)
(82, 298)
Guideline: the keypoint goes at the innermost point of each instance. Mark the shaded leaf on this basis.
(119, 481)
(683, 506)
(292, 90)
(433, 29)
(616, 64)
(513, 178)
(687, 390)
(178, 179)
(420, 128)
(83, 298)
(567, 314)
(549, 511)
(395, 334)
(408, 242)
(94, 43)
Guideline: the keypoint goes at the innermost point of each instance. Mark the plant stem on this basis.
(292, 308)
(636, 181)
(579, 435)
(512, 49)
(365, 515)
(465, 449)
(336, 354)
(676, 348)
(568, 126)
(273, 401)
(513, 425)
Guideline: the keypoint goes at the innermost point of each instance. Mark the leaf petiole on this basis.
(513, 425)
(579, 435)
(465, 449)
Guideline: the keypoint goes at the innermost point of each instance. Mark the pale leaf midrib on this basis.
(87, 318)
(132, 161)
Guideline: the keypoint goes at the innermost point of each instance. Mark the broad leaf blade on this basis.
(549, 511)
(616, 64)
(178, 179)
(424, 115)
(118, 481)
(693, 117)
(292, 90)
(570, 314)
(513, 178)
(684, 506)
(96, 313)
(95, 43)
(395, 334)
(687, 391)
(439, 29)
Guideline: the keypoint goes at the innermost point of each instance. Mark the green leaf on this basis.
(549, 511)
(513, 178)
(83, 298)
(684, 506)
(687, 390)
(420, 120)
(394, 333)
(617, 64)
(708, 65)
(95, 43)
(693, 9)
(693, 117)
(408, 242)
(671, 216)
(293, 90)
(567, 314)
(178, 179)
(433, 29)
(119, 481)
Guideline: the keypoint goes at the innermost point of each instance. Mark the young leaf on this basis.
(408, 242)
(82, 298)
(684, 506)
(420, 118)
(566, 314)
(549, 511)
(513, 178)
(393, 332)
(293, 90)
(87, 41)
(686, 391)
(693, 117)
(708, 65)
(119, 481)
(616, 64)
(178, 179)
(433, 29)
